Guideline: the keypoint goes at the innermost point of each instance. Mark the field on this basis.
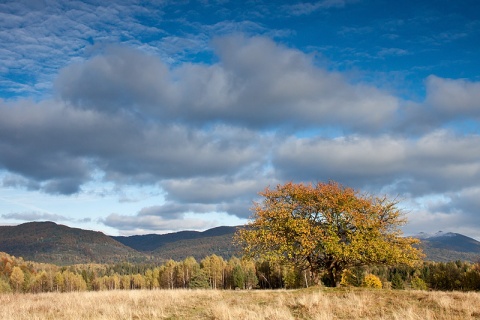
(313, 303)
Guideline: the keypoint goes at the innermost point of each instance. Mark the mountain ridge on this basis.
(59, 244)
(152, 242)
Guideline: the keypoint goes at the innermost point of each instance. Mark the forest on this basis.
(17, 275)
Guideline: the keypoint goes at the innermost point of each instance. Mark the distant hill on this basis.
(53, 243)
(58, 244)
(182, 244)
(449, 246)
(153, 242)
(199, 248)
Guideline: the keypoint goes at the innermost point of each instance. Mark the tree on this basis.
(214, 267)
(238, 277)
(17, 278)
(326, 228)
(397, 282)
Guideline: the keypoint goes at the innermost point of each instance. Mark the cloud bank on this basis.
(211, 136)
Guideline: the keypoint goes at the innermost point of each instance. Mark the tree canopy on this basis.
(327, 228)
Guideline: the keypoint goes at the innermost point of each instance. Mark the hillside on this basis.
(53, 243)
(153, 242)
(449, 246)
(199, 248)
(58, 244)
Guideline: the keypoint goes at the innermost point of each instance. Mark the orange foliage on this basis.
(326, 227)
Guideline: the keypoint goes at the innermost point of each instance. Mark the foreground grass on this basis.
(310, 303)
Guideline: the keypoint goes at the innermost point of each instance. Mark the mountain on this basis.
(448, 246)
(153, 242)
(53, 243)
(199, 248)
(182, 244)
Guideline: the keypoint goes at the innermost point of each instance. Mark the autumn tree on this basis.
(214, 267)
(326, 228)
(17, 278)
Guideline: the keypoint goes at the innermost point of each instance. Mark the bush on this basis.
(372, 281)
(352, 277)
(418, 284)
(397, 282)
(4, 286)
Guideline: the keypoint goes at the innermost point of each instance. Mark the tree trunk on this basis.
(314, 276)
(334, 276)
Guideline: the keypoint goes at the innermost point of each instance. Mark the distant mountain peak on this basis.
(443, 234)
(438, 234)
(422, 235)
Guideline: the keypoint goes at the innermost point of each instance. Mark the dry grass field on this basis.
(313, 303)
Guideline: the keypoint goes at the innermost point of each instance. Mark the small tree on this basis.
(17, 278)
(199, 280)
(4, 286)
(238, 277)
(326, 228)
(418, 284)
(397, 282)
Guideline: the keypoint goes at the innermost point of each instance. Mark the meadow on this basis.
(311, 303)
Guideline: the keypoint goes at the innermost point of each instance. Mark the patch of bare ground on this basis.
(312, 303)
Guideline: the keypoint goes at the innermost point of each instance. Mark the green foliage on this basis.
(4, 286)
(199, 281)
(352, 277)
(418, 284)
(238, 277)
(397, 282)
(372, 281)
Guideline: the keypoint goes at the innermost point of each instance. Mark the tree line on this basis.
(213, 272)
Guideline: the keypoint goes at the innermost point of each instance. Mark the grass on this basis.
(312, 303)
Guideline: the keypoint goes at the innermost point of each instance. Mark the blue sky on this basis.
(134, 117)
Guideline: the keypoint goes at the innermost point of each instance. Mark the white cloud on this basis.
(309, 7)
(128, 225)
(454, 97)
(257, 83)
(437, 162)
(34, 216)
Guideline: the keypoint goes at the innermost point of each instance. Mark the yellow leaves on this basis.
(372, 281)
(327, 221)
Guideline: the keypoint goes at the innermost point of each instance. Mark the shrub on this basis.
(372, 281)
(397, 282)
(4, 286)
(352, 277)
(418, 284)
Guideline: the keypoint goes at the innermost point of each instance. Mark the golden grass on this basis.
(313, 303)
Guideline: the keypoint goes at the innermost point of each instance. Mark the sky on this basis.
(135, 117)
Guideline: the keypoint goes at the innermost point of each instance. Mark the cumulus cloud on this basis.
(214, 190)
(211, 136)
(256, 83)
(437, 162)
(453, 97)
(59, 147)
(447, 102)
